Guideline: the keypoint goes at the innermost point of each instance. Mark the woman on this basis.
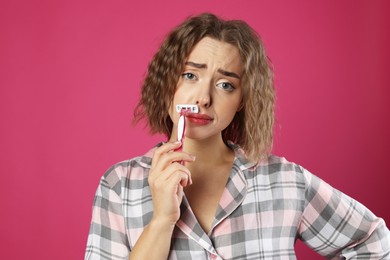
(224, 196)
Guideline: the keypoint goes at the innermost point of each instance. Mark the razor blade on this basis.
(186, 107)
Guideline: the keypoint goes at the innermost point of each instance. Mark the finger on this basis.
(172, 169)
(178, 178)
(171, 187)
(165, 160)
(180, 193)
(168, 158)
(165, 148)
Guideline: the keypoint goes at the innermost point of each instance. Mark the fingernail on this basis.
(193, 157)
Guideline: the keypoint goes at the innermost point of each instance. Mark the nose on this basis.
(203, 102)
(203, 95)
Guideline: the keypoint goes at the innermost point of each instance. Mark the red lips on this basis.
(200, 119)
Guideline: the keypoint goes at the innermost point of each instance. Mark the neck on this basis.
(210, 151)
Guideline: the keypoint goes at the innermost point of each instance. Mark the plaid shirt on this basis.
(264, 208)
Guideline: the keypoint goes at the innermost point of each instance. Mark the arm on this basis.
(154, 242)
(167, 178)
(338, 227)
(108, 239)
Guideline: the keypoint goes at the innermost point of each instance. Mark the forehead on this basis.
(215, 52)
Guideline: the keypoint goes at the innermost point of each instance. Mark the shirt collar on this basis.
(241, 160)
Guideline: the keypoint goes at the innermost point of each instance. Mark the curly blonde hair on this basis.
(252, 126)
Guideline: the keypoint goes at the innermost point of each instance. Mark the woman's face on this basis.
(211, 79)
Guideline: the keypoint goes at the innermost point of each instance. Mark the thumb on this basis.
(179, 193)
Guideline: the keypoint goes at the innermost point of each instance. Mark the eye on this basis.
(226, 86)
(188, 76)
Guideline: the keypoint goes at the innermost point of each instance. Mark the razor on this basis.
(183, 109)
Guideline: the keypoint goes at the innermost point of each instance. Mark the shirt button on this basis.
(213, 256)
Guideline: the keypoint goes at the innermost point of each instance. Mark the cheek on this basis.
(230, 110)
(232, 105)
(180, 95)
(227, 115)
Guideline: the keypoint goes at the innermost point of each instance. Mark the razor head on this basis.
(187, 108)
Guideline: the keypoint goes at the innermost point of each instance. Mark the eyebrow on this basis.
(204, 66)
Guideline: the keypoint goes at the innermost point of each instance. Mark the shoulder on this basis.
(280, 170)
(277, 163)
(270, 166)
(128, 172)
(270, 163)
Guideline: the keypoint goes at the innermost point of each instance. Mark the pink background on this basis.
(70, 74)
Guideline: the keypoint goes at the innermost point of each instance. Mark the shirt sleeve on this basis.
(107, 236)
(339, 227)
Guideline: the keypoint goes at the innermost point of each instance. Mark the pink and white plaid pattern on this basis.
(264, 208)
